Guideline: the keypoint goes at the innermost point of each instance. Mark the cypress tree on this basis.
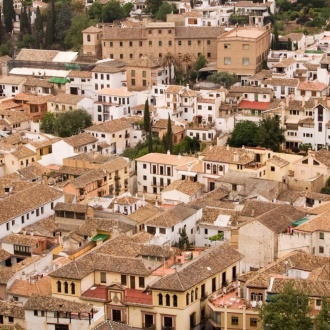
(24, 21)
(63, 21)
(150, 148)
(38, 23)
(2, 31)
(146, 117)
(168, 137)
(9, 14)
(50, 28)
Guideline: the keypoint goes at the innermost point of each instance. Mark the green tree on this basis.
(186, 145)
(200, 62)
(152, 6)
(184, 240)
(74, 38)
(245, 133)
(48, 122)
(304, 147)
(38, 28)
(222, 78)
(127, 8)
(71, 122)
(28, 41)
(168, 137)
(95, 11)
(146, 117)
(50, 27)
(63, 22)
(289, 44)
(275, 38)
(111, 11)
(164, 9)
(169, 60)
(271, 135)
(287, 311)
(8, 14)
(150, 142)
(25, 27)
(322, 319)
(2, 30)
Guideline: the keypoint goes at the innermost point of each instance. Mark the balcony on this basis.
(146, 326)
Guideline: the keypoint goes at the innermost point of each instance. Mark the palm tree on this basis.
(169, 60)
(187, 60)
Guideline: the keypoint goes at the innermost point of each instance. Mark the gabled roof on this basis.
(208, 264)
(186, 187)
(80, 140)
(312, 86)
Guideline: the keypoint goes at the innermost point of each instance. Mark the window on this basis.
(187, 299)
(179, 42)
(272, 168)
(111, 44)
(246, 46)
(59, 286)
(245, 61)
(208, 55)
(130, 43)
(10, 319)
(189, 42)
(321, 235)
(123, 280)
(227, 46)
(103, 277)
(167, 300)
(73, 288)
(144, 166)
(321, 249)
(120, 43)
(66, 287)
(206, 231)
(133, 82)
(253, 322)
(160, 299)
(141, 282)
(208, 42)
(159, 43)
(318, 302)
(175, 300)
(88, 37)
(234, 320)
(227, 61)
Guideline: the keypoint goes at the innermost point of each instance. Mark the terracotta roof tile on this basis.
(80, 140)
(185, 186)
(312, 86)
(42, 287)
(209, 263)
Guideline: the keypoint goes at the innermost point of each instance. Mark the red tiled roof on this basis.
(255, 105)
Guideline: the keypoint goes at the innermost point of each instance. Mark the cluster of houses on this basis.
(93, 240)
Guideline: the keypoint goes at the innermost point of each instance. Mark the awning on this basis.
(299, 222)
(103, 237)
(58, 80)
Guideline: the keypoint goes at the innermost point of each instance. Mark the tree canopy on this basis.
(245, 133)
(164, 9)
(322, 319)
(152, 6)
(223, 78)
(288, 310)
(71, 122)
(271, 135)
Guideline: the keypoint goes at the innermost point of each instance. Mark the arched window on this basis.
(187, 299)
(88, 37)
(160, 299)
(59, 286)
(196, 294)
(73, 288)
(259, 297)
(253, 296)
(214, 169)
(175, 300)
(167, 300)
(220, 168)
(66, 287)
(192, 296)
(208, 166)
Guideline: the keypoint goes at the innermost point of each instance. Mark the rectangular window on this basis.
(123, 280)
(141, 282)
(246, 46)
(321, 249)
(272, 168)
(321, 235)
(245, 61)
(170, 42)
(179, 42)
(227, 46)
(159, 43)
(234, 320)
(320, 127)
(227, 61)
(103, 277)
(253, 322)
(120, 44)
(189, 42)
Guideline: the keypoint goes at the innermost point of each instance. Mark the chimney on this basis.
(253, 211)
(168, 152)
(187, 86)
(235, 156)
(179, 156)
(243, 147)
(227, 147)
(189, 167)
(303, 101)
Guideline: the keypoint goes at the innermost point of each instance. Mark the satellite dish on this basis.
(16, 229)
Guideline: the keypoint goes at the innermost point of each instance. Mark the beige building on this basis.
(157, 38)
(243, 49)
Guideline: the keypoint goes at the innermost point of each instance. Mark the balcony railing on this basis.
(146, 326)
